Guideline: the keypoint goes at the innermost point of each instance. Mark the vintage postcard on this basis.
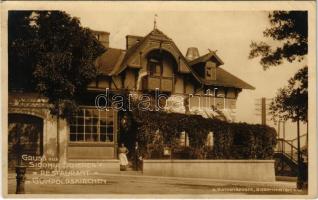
(159, 99)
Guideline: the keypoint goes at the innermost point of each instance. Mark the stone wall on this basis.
(242, 170)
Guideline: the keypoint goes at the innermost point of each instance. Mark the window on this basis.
(155, 67)
(184, 139)
(210, 71)
(209, 139)
(92, 125)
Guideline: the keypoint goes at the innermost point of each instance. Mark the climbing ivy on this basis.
(157, 130)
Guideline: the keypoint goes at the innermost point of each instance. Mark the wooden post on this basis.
(278, 129)
(115, 131)
(263, 111)
(299, 162)
(284, 137)
(214, 97)
(307, 137)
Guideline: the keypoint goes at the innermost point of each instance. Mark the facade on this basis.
(148, 64)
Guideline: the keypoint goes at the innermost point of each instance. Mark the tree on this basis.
(291, 101)
(52, 54)
(21, 56)
(290, 29)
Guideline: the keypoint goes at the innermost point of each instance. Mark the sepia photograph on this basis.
(159, 99)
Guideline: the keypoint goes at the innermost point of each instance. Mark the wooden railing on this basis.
(303, 142)
(287, 149)
(165, 84)
(286, 154)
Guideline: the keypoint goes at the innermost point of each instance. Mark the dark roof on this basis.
(121, 66)
(129, 52)
(154, 33)
(133, 49)
(224, 78)
(113, 61)
(109, 60)
(205, 58)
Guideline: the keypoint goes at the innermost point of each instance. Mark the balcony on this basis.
(165, 84)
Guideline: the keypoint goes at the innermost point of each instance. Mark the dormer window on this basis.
(210, 71)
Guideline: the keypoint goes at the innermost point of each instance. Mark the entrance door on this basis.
(26, 130)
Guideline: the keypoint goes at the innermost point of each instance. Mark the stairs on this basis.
(286, 159)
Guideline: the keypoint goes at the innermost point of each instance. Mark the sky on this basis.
(228, 32)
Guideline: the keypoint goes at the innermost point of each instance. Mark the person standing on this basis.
(123, 151)
(137, 158)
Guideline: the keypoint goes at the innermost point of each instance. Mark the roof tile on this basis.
(224, 78)
(109, 60)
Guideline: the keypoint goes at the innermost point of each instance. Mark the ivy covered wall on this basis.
(155, 131)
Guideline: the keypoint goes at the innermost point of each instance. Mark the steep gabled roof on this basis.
(129, 52)
(224, 78)
(157, 34)
(110, 60)
(206, 58)
(114, 61)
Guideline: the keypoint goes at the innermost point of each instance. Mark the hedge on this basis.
(156, 130)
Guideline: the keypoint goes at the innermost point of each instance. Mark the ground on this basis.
(136, 183)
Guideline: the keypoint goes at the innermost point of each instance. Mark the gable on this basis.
(156, 40)
(153, 41)
(211, 56)
(222, 77)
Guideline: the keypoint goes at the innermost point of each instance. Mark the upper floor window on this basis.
(155, 67)
(210, 71)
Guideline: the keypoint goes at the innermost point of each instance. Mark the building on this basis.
(148, 63)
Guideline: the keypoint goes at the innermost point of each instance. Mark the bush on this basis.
(156, 130)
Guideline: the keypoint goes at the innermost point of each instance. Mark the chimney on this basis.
(192, 53)
(102, 37)
(131, 40)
